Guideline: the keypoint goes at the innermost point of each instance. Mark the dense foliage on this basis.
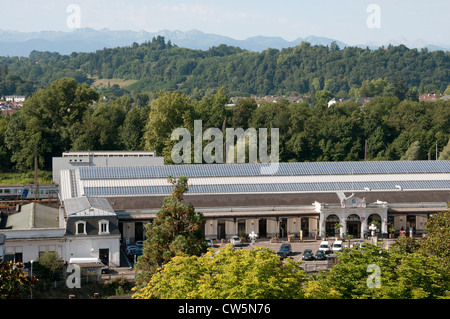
(410, 269)
(303, 69)
(72, 116)
(228, 274)
(176, 230)
(13, 280)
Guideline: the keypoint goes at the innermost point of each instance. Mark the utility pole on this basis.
(436, 151)
(365, 150)
(36, 177)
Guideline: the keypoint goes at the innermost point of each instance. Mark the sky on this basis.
(351, 21)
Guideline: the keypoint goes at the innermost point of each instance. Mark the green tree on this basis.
(412, 153)
(445, 153)
(46, 121)
(228, 274)
(437, 239)
(131, 131)
(13, 282)
(413, 276)
(169, 111)
(176, 230)
(50, 266)
(403, 273)
(242, 113)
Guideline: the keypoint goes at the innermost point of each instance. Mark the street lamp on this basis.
(31, 290)
(373, 228)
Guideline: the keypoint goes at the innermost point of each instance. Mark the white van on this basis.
(325, 246)
(89, 260)
(337, 246)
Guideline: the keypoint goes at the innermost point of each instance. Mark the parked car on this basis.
(308, 255)
(140, 243)
(337, 246)
(132, 250)
(287, 248)
(282, 254)
(235, 241)
(320, 255)
(325, 247)
(209, 242)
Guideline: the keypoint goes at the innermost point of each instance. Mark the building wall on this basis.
(79, 247)
(30, 249)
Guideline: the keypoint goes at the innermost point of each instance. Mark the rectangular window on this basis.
(103, 227)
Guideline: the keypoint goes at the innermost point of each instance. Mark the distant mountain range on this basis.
(15, 43)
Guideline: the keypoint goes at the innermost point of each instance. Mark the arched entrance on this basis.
(376, 220)
(330, 224)
(354, 226)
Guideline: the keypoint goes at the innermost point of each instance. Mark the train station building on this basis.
(299, 199)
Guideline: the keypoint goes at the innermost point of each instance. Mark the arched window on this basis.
(80, 227)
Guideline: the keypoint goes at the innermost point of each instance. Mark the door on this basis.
(283, 228)
(103, 255)
(220, 229)
(262, 228)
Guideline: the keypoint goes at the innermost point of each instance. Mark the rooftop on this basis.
(293, 178)
(88, 207)
(32, 216)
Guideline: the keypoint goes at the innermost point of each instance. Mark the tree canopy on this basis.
(227, 274)
(303, 69)
(72, 116)
(176, 230)
(410, 269)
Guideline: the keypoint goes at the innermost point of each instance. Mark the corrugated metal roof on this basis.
(34, 215)
(269, 188)
(140, 182)
(247, 178)
(88, 206)
(284, 169)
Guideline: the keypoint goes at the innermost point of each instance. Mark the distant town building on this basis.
(429, 97)
(336, 100)
(14, 98)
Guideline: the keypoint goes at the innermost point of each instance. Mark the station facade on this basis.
(308, 200)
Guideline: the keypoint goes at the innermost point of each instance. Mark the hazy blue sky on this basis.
(344, 20)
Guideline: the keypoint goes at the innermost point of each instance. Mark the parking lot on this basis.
(297, 250)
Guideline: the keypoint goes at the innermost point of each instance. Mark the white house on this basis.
(31, 231)
(83, 227)
(92, 230)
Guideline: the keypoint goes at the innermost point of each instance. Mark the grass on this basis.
(25, 178)
(104, 82)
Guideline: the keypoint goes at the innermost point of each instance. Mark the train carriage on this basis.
(24, 192)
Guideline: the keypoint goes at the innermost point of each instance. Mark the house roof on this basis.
(88, 207)
(33, 215)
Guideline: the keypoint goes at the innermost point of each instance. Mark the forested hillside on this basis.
(304, 69)
(72, 116)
